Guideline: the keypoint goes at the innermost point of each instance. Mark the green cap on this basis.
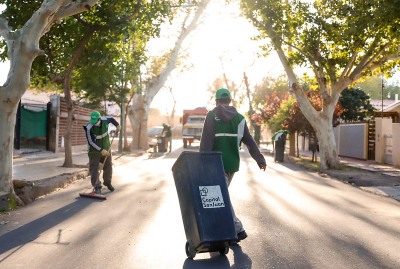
(94, 117)
(222, 94)
(163, 124)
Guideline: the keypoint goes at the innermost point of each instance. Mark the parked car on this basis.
(112, 130)
(152, 133)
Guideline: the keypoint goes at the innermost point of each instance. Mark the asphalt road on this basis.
(294, 219)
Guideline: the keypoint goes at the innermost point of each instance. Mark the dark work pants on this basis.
(94, 170)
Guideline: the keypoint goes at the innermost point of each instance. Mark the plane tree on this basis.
(340, 41)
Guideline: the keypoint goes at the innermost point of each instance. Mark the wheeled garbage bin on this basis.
(161, 143)
(279, 150)
(204, 201)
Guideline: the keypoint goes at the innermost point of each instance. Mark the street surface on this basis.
(294, 219)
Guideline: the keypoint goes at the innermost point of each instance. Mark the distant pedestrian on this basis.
(98, 148)
(168, 136)
(224, 130)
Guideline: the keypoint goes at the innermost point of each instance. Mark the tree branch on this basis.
(73, 8)
(136, 11)
(365, 58)
(349, 65)
(359, 69)
(5, 30)
(79, 19)
(309, 57)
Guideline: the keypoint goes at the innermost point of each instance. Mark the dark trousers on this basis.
(94, 170)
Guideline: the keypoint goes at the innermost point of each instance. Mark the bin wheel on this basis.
(190, 251)
(224, 251)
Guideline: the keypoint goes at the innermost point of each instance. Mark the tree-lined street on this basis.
(294, 219)
(147, 72)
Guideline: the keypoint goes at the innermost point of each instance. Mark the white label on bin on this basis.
(211, 196)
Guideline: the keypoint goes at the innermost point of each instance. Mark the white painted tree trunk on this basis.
(328, 153)
(8, 113)
(137, 114)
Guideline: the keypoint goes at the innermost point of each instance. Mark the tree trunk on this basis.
(138, 118)
(68, 98)
(70, 122)
(327, 146)
(292, 142)
(126, 145)
(8, 113)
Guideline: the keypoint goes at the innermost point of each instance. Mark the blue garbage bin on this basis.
(204, 201)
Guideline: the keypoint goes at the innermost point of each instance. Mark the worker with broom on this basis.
(99, 149)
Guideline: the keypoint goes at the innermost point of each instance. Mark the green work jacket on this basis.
(228, 137)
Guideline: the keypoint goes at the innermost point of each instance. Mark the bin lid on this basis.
(184, 153)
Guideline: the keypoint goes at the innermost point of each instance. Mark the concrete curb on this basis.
(29, 191)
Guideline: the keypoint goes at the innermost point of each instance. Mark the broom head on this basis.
(93, 195)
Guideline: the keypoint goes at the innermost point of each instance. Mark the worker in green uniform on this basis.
(168, 136)
(99, 148)
(224, 130)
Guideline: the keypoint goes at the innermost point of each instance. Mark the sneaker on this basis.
(241, 236)
(110, 187)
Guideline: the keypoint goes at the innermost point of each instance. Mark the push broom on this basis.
(92, 194)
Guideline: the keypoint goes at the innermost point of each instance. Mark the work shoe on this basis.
(110, 187)
(97, 190)
(241, 236)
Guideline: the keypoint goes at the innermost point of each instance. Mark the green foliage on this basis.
(355, 104)
(110, 59)
(326, 33)
(276, 122)
(268, 86)
(3, 209)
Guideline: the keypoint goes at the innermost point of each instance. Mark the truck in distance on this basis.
(193, 122)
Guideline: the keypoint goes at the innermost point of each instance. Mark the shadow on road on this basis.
(216, 261)
(241, 260)
(349, 248)
(31, 231)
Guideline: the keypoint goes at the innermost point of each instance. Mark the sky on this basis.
(223, 33)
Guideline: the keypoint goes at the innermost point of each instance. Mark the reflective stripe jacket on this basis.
(98, 137)
(228, 137)
(224, 130)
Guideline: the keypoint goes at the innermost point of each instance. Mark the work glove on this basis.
(118, 128)
(105, 152)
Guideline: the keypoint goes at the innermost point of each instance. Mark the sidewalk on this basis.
(380, 179)
(37, 173)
